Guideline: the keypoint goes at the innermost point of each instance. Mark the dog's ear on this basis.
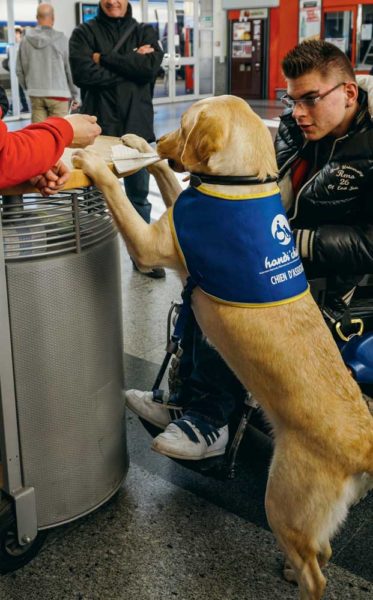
(205, 139)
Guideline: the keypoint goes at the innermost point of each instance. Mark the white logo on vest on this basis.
(281, 231)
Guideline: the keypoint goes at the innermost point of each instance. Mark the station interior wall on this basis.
(65, 21)
(283, 32)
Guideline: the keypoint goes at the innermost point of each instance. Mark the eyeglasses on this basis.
(308, 102)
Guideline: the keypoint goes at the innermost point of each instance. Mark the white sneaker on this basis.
(153, 407)
(176, 443)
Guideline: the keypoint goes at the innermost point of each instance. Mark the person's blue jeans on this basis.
(209, 391)
(137, 190)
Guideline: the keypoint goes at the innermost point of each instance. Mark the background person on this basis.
(324, 153)
(116, 77)
(43, 68)
(4, 104)
(24, 106)
(22, 96)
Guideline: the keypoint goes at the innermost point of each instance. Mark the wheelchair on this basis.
(354, 337)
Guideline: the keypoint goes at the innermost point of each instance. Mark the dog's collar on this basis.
(197, 179)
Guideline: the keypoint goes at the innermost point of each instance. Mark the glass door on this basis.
(206, 48)
(158, 16)
(364, 29)
(185, 50)
(177, 25)
(338, 28)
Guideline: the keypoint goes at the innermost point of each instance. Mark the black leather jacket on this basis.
(118, 90)
(332, 214)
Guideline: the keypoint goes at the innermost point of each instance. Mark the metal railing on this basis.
(35, 227)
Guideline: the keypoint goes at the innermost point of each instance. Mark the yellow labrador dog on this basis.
(283, 354)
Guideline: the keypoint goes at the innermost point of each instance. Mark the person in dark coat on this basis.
(4, 104)
(324, 150)
(117, 82)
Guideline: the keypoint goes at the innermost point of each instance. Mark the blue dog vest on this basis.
(238, 250)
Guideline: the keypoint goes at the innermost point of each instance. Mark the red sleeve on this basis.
(32, 150)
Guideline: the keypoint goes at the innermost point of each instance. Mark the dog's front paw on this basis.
(135, 141)
(94, 166)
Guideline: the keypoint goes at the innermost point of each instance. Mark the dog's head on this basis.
(222, 136)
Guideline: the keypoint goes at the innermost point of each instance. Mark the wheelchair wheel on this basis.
(13, 556)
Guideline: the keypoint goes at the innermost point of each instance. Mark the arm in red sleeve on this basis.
(32, 150)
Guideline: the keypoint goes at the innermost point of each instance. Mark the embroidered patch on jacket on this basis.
(239, 251)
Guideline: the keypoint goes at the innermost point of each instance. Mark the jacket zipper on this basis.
(313, 177)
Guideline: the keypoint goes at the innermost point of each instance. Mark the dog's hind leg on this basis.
(302, 564)
(323, 557)
(303, 511)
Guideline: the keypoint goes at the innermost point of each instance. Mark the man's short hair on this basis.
(317, 55)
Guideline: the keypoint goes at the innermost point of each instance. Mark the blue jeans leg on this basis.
(209, 389)
(137, 190)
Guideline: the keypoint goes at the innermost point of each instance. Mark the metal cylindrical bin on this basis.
(64, 296)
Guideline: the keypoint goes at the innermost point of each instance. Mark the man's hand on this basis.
(85, 130)
(96, 57)
(74, 105)
(53, 180)
(146, 49)
(94, 167)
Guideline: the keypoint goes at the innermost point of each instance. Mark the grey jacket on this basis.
(43, 64)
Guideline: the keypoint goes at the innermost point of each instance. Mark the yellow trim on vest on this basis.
(259, 304)
(208, 192)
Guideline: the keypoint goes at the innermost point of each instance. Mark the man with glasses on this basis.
(324, 150)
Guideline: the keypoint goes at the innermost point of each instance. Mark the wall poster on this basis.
(309, 19)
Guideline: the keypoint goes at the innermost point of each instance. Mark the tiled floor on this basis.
(172, 532)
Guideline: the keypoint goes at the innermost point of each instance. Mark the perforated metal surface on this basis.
(65, 314)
